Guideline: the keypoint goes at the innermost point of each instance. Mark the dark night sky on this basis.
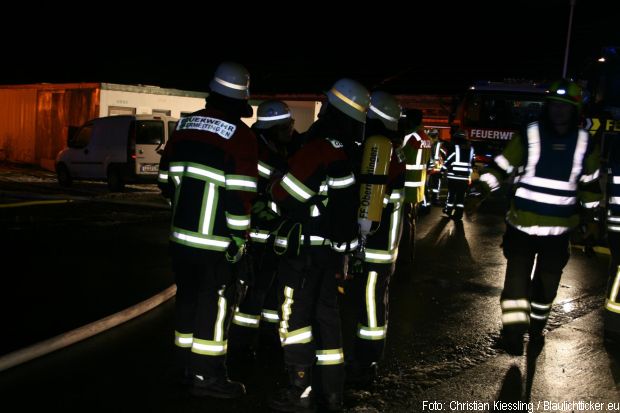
(439, 47)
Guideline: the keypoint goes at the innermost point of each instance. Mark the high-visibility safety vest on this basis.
(438, 155)
(320, 192)
(459, 163)
(417, 151)
(209, 170)
(382, 245)
(557, 174)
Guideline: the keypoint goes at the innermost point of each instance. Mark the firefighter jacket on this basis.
(208, 169)
(382, 245)
(438, 155)
(459, 163)
(555, 175)
(417, 151)
(613, 190)
(319, 193)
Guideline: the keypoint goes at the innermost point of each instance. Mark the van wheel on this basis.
(63, 175)
(115, 179)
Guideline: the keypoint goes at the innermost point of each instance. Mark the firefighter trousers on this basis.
(310, 330)
(612, 296)
(370, 291)
(260, 303)
(203, 308)
(525, 301)
(408, 232)
(456, 197)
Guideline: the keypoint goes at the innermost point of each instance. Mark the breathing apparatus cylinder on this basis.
(373, 179)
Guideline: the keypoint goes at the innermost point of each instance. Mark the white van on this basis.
(118, 149)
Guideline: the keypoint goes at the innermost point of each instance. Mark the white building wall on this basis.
(145, 103)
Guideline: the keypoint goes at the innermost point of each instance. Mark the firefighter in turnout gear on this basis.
(317, 196)
(433, 182)
(612, 300)
(209, 172)
(557, 167)
(416, 148)
(370, 288)
(274, 132)
(458, 169)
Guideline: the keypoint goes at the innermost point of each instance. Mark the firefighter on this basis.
(369, 288)
(209, 172)
(274, 132)
(433, 182)
(318, 199)
(558, 169)
(458, 168)
(416, 148)
(612, 301)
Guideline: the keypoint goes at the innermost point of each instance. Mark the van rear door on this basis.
(149, 137)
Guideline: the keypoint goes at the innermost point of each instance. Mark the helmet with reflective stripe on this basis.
(271, 113)
(384, 107)
(566, 91)
(350, 98)
(231, 80)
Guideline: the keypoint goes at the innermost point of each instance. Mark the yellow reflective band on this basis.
(290, 185)
(329, 357)
(209, 347)
(348, 101)
(299, 336)
(612, 306)
(518, 317)
(205, 173)
(270, 316)
(343, 182)
(183, 339)
(246, 320)
(538, 306)
(264, 170)
(371, 284)
(241, 183)
(191, 239)
(615, 289)
(519, 304)
(221, 316)
(371, 333)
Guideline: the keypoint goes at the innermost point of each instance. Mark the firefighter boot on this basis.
(512, 342)
(537, 339)
(218, 387)
(298, 396)
(359, 375)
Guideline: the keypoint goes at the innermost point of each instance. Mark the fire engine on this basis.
(491, 112)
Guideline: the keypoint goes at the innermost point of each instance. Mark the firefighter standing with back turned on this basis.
(558, 171)
(382, 170)
(318, 199)
(416, 148)
(208, 170)
(458, 169)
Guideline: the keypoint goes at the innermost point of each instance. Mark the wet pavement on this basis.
(77, 261)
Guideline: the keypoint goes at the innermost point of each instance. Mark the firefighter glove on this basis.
(236, 250)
